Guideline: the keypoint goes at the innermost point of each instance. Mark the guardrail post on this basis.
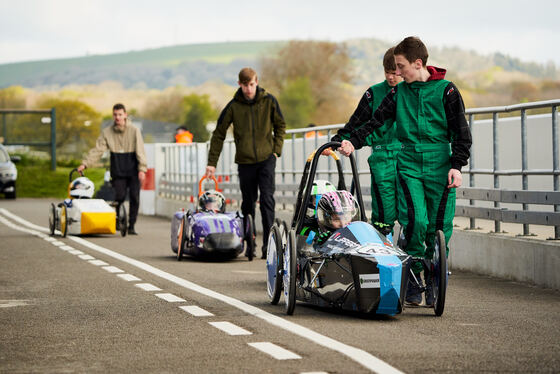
(555, 163)
(472, 221)
(53, 139)
(524, 177)
(496, 164)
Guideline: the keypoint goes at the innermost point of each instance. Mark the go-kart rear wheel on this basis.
(63, 221)
(274, 262)
(249, 237)
(52, 219)
(122, 220)
(439, 273)
(289, 271)
(182, 237)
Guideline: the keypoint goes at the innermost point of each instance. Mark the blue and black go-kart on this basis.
(357, 268)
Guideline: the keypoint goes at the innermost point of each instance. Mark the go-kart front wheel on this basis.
(63, 221)
(439, 273)
(52, 219)
(249, 237)
(182, 237)
(289, 271)
(274, 262)
(122, 220)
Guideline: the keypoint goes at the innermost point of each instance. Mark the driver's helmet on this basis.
(81, 188)
(319, 188)
(212, 201)
(336, 210)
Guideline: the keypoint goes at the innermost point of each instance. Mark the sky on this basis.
(33, 30)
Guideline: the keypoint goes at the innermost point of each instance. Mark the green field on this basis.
(36, 179)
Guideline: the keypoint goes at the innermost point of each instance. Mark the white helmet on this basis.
(82, 188)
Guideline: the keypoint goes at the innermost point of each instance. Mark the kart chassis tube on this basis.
(300, 214)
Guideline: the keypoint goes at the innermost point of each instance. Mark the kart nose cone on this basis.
(222, 242)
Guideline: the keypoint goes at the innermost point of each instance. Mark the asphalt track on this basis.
(61, 310)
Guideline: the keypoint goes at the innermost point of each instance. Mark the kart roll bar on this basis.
(70, 179)
(302, 202)
(200, 192)
(301, 188)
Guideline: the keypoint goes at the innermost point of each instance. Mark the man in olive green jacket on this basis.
(258, 131)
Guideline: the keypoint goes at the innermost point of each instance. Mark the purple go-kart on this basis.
(210, 232)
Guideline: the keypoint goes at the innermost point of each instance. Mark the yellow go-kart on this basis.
(79, 214)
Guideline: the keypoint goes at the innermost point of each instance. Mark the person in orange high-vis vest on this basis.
(182, 135)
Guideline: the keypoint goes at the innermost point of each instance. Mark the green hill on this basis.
(192, 65)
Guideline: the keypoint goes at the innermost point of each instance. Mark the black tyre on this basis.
(122, 220)
(249, 237)
(289, 271)
(274, 263)
(182, 237)
(285, 231)
(63, 221)
(52, 219)
(439, 273)
(11, 195)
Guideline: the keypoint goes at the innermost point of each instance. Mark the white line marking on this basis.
(358, 355)
(98, 263)
(196, 311)
(112, 269)
(275, 351)
(86, 257)
(76, 252)
(147, 287)
(66, 248)
(58, 243)
(170, 297)
(128, 277)
(248, 272)
(50, 239)
(230, 328)
(315, 372)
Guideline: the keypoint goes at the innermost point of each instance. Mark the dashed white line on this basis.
(196, 311)
(58, 243)
(66, 248)
(49, 239)
(76, 252)
(86, 257)
(112, 269)
(128, 277)
(315, 372)
(170, 297)
(147, 287)
(356, 354)
(230, 328)
(275, 351)
(98, 263)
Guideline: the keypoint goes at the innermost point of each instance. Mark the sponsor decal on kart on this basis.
(345, 241)
(369, 280)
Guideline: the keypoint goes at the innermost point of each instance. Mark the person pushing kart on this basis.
(436, 141)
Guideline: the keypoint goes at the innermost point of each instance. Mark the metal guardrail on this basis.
(51, 143)
(185, 164)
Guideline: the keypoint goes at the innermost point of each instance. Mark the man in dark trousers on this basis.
(128, 160)
(258, 130)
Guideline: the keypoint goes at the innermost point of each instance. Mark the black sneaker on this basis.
(263, 256)
(131, 231)
(414, 290)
